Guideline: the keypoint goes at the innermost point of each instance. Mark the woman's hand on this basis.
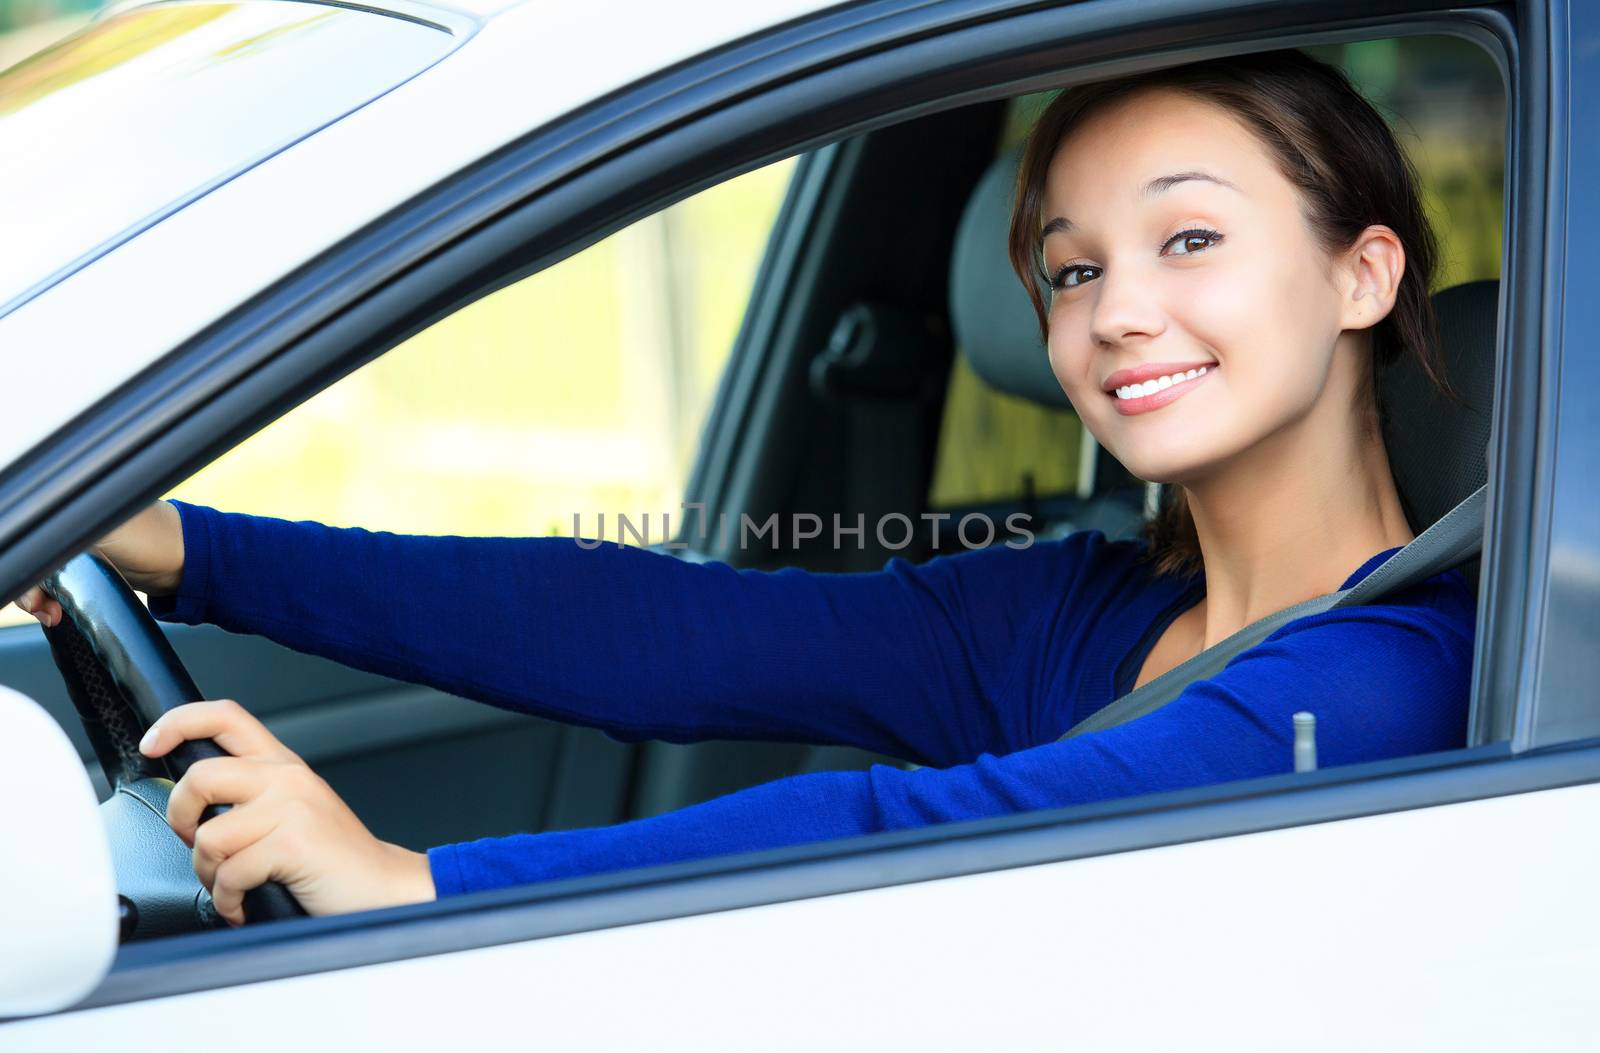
(147, 550)
(286, 824)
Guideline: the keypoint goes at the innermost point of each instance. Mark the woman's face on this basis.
(1174, 243)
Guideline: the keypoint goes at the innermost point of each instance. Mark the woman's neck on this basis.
(1291, 519)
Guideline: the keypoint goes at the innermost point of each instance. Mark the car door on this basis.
(1435, 901)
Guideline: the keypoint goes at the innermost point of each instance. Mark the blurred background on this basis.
(583, 388)
(27, 26)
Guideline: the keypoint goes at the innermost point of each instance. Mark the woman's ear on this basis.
(1369, 277)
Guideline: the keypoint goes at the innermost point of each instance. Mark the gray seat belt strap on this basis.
(1453, 540)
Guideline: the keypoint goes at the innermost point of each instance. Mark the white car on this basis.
(209, 212)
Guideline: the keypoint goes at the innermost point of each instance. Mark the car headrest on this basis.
(990, 314)
(1437, 449)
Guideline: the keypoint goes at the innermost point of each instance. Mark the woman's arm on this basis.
(1382, 681)
(906, 661)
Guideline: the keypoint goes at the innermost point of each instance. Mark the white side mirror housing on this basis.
(58, 892)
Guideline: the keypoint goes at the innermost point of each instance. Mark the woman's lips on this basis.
(1146, 403)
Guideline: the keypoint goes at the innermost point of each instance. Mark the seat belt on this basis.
(1455, 539)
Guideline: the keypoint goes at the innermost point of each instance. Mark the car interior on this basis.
(906, 366)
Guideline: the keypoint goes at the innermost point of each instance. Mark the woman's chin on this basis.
(1163, 465)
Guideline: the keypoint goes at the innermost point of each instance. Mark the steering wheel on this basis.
(122, 674)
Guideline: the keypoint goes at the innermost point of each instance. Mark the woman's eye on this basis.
(1074, 275)
(1188, 242)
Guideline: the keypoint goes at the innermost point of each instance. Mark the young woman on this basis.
(1231, 250)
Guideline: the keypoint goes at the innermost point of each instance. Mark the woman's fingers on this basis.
(217, 780)
(227, 835)
(239, 873)
(147, 550)
(286, 823)
(41, 606)
(225, 722)
(30, 600)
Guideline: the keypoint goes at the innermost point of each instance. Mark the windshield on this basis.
(144, 111)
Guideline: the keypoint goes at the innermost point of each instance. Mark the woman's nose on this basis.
(1125, 307)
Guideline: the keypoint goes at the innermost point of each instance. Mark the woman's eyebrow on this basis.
(1061, 224)
(1167, 182)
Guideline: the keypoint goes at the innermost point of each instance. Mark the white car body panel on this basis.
(1419, 930)
(529, 64)
(58, 890)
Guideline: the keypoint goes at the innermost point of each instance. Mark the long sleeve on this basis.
(1383, 682)
(909, 661)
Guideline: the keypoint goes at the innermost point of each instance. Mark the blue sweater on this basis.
(971, 664)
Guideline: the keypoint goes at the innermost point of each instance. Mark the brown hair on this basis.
(1338, 153)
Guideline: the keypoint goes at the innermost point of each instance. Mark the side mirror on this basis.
(58, 892)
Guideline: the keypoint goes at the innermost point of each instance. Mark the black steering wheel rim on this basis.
(121, 674)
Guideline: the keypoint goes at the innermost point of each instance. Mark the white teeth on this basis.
(1150, 387)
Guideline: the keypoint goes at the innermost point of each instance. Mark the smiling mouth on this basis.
(1132, 399)
(1150, 387)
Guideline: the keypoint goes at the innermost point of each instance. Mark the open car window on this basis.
(573, 402)
(577, 391)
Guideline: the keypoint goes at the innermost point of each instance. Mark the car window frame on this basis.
(344, 309)
(1561, 604)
